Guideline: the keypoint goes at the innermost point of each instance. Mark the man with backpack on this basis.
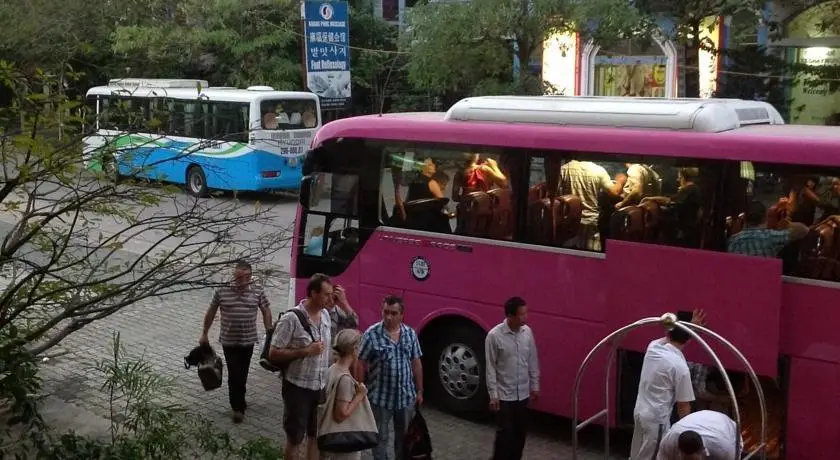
(300, 345)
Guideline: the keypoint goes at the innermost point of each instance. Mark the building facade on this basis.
(809, 33)
(632, 67)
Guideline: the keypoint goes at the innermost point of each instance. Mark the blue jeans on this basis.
(384, 417)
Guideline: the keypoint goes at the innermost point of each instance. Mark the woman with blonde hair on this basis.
(349, 394)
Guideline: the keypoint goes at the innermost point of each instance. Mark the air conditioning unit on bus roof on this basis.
(700, 115)
(158, 83)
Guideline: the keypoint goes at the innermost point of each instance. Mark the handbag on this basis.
(357, 433)
(210, 366)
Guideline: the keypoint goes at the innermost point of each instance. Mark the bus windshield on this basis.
(286, 114)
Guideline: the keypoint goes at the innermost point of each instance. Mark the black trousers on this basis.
(238, 359)
(511, 429)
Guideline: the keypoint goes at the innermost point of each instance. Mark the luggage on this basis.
(210, 366)
(417, 443)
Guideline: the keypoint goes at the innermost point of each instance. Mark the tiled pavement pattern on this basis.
(164, 331)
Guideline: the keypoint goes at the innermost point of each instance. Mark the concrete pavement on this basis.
(164, 330)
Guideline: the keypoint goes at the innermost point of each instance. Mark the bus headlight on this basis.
(293, 162)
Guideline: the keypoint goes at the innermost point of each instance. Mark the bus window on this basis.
(285, 114)
(579, 202)
(313, 236)
(460, 191)
(334, 194)
(794, 198)
(227, 121)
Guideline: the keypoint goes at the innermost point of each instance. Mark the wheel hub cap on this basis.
(459, 371)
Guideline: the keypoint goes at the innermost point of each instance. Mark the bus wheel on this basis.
(455, 367)
(196, 181)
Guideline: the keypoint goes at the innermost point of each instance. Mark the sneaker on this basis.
(238, 417)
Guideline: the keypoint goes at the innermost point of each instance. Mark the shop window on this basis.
(448, 191)
(633, 67)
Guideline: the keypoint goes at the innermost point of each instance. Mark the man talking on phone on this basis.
(342, 315)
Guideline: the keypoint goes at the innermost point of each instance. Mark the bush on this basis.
(142, 428)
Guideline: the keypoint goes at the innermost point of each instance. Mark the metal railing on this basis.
(668, 321)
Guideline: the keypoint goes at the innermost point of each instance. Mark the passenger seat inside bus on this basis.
(552, 223)
(819, 253)
(474, 213)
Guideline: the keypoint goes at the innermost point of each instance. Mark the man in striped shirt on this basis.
(390, 357)
(238, 304)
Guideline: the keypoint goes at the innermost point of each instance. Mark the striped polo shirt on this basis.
(238, 310)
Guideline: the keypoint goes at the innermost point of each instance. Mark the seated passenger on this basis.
(427, 186)
(642, 181)
(315, 247)
(688, 205)
(269, 120)
(309, 118)
(803, 199)
(478, 175)
(758, 240)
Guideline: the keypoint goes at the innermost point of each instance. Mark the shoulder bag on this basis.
(359, 432)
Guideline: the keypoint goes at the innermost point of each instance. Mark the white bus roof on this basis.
(189, 90)
(701, 115)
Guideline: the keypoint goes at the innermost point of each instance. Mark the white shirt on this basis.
(717, 430)
(665, 381)
(513, 369)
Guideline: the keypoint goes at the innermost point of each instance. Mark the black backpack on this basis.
(265, 362)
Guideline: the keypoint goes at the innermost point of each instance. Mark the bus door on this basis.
(338, 207)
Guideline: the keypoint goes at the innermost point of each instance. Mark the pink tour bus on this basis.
(456, 212)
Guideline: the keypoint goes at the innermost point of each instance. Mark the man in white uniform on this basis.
(665, 380)
(702, 435)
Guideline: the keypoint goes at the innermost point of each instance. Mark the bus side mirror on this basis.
(305, 195)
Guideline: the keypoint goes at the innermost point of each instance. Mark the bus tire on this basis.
(455, 369)
(196, 181)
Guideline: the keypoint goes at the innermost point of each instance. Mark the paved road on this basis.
(165, 330)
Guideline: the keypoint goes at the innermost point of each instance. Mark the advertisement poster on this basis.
(327, 54)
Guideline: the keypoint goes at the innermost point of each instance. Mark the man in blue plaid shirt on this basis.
(758, 240)
(390, 356)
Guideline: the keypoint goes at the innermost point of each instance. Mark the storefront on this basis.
(633, 67)
(809, 38)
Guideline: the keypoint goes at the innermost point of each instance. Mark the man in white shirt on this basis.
(513, 378)
(701, 435)
(665, 380)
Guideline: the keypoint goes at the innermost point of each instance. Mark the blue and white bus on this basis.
(185, 132)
